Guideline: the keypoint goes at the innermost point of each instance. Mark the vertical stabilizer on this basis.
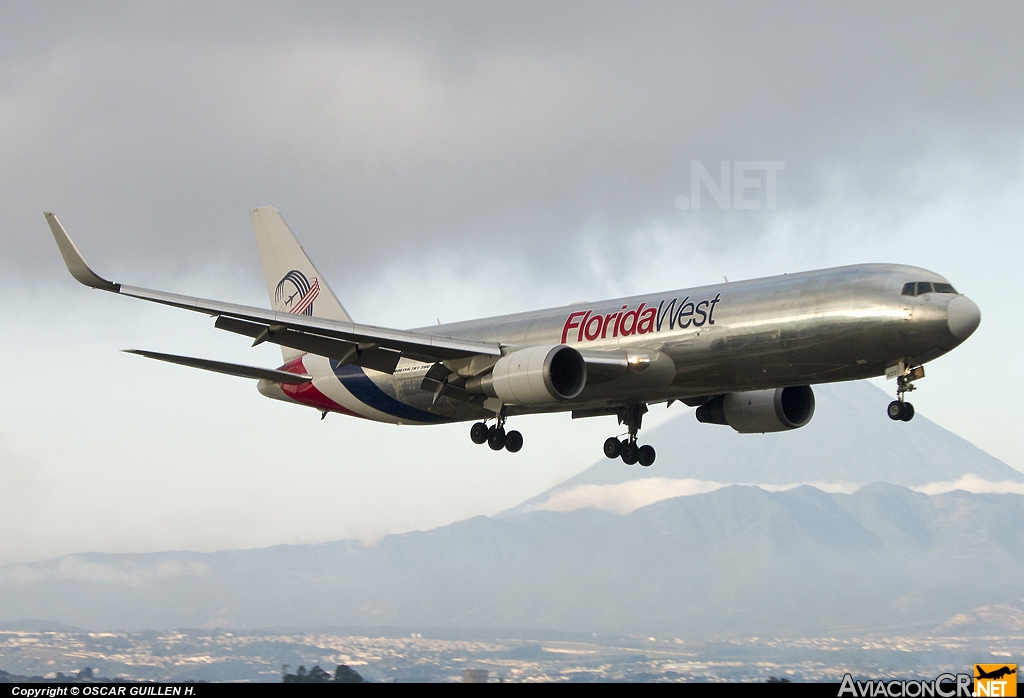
(293, 283)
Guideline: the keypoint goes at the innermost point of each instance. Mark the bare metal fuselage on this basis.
(838, 324)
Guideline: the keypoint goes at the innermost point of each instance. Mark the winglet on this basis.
(74, 260)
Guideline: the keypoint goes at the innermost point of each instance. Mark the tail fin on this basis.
(293, 283)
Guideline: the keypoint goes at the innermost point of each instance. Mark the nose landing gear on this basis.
(628, 449)
(900, 410)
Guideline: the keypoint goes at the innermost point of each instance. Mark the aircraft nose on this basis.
(963, 317)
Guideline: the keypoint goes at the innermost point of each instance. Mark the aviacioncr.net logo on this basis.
(943, 686)
(295, 293)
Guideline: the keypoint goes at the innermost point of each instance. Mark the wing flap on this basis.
(337, 349)
(345, 352)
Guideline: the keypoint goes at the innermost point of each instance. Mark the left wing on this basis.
(377, 348)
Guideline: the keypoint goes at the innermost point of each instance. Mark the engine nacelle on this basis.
(534, 376)
(760, 411)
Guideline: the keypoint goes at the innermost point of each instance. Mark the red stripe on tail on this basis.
(307, 393)
(307, 300)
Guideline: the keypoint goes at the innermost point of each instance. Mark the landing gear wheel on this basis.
(513, 441)
(496, 438)
(645, 456)
(478, 433)
(908, 412)
(630, 453)
(612, 447)
(895, 410)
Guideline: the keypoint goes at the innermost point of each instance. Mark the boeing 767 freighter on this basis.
(745, 353)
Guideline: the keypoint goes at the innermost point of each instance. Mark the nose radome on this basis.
(963, 317)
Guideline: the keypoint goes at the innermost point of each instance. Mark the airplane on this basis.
(743, 353)
(995, 674)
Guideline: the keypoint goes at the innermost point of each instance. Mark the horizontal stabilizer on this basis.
(269, 374)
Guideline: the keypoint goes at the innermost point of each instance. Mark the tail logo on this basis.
(296, 293)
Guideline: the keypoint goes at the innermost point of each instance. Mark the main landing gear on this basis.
(628, 449)
(900, 410)
(496, 437)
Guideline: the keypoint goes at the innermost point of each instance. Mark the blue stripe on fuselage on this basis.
(367, 392)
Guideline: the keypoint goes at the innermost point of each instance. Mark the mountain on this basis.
(849, 442)
(617, 550)
(737, 560)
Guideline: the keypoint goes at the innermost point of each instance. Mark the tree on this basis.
(345, 674)
(314, 675)
(318, 675)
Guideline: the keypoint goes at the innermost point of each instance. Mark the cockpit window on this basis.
(918, 288)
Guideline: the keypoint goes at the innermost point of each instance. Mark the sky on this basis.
(444, 161)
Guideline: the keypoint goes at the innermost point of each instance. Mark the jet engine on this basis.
(534, 376)
(759, 411)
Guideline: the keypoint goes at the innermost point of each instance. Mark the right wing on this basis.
(378, 348)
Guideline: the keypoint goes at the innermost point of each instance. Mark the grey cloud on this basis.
(469, 129)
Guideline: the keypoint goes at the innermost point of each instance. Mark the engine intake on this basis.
(760, 411)
(535, 375)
